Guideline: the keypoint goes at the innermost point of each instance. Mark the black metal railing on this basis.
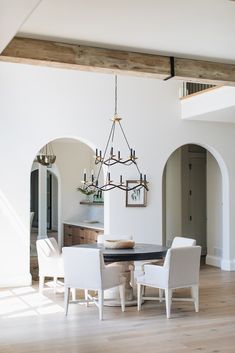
(192, 87)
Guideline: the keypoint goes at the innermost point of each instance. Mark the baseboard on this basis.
(17, 281)
(228, 265)
(213, 261)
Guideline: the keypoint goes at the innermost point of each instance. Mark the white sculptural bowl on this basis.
(119, 244)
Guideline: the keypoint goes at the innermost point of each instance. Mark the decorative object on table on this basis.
(119, 244)
(110, 158)
(46, 155)
(135, 197)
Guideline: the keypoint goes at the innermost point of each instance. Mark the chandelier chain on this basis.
(115, 94)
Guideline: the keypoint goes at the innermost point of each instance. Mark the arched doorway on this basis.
(193, 194)
(58, 200)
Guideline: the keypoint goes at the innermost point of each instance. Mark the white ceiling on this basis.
(189, 28)
(12, 14)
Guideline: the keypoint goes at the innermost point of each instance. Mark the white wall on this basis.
(41, 104)
(173, 197)
(218, 103)
(214, 212)
(72, 158)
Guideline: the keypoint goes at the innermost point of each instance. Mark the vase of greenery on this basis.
(89, 193)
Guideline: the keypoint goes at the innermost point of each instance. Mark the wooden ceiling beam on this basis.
(81, 57)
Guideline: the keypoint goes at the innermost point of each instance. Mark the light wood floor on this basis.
(30, 324)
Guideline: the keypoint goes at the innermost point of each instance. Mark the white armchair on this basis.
(85, 269)
(177, 242)
(50, 261)
(180, 270)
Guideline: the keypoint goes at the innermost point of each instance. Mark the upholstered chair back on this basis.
(179, 242)
(183, 266)
(49, 257)
(83, 267)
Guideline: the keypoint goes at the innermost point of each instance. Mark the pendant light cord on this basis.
(115, 95)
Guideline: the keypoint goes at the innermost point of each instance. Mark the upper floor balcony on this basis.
(208, 103)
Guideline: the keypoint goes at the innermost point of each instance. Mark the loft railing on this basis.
(191, 88)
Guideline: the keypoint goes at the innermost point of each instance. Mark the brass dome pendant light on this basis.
(46, 155)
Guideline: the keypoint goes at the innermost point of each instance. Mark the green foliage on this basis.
(86, 191)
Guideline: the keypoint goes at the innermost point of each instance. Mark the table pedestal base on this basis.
(111, 296)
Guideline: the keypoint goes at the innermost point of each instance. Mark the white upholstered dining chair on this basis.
(177, 242)
(85, 269)
(180, 270)
(50, 261)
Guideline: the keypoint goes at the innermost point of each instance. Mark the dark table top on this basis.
(139, 252)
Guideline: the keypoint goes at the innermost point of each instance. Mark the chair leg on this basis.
(143, 291)
(122, 296)
(41, 283)
(54, 283)
(86, 297)
(101, 303)
(66, 300)
(73, 291)
(132, 280)
(195, 296)
(160, 295)
(168, 295)
(139, 296)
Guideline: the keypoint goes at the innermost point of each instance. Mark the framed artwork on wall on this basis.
(137, 197)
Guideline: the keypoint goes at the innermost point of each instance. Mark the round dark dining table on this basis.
(139, 253)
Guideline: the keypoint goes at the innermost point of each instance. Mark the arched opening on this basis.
(48, 224)
(195, 200)
(55, 200)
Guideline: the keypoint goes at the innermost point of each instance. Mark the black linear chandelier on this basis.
(46, 155)
(110, 158)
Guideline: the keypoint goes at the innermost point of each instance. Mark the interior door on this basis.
(196, 218)
(49, 200)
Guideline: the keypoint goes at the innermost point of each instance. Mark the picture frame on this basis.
(136, 197)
